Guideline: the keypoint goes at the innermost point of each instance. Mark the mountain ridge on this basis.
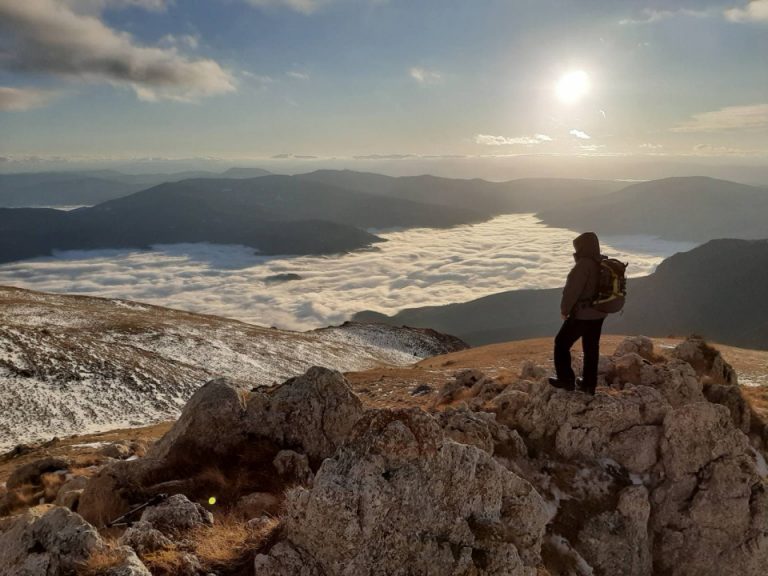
(715, 289)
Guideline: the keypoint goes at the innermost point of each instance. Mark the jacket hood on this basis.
(587, 246)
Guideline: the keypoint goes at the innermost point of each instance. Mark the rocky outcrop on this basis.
(685, 490)
(658, 473)
(401, 498)
(706, 361)
(230, 442)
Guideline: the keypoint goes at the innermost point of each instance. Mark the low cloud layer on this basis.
(413, 268)
(50, 37)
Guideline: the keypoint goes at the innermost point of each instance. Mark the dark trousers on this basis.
(589, 332)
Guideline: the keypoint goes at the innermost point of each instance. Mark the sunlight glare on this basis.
(572, 86)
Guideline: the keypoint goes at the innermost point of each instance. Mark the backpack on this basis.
(611, 287)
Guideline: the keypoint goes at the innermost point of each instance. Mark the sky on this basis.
(382, 80)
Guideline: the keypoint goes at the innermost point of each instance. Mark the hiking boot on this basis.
(562, 384)
(584, 388)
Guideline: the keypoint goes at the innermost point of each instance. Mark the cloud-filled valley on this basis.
(416, 267)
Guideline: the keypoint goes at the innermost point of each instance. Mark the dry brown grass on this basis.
(227, 547)
(164, 562)
(25, 496)
(100, 561)
(228, 540)
(51, 483)
(757, 396)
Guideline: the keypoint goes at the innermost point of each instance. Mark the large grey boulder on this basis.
(640, 345)
(226, 428)
(400, 498)
(706, 360)
(46, 541)
(143, 538)
(176, 515)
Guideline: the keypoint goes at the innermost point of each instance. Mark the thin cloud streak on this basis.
(581, 135)
(424, 76)
(730, 118)
(489, 140)
(19, 99)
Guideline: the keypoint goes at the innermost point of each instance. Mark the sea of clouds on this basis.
(416, 267)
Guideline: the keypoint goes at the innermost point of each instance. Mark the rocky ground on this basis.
(466, 464)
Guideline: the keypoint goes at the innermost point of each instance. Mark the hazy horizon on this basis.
(495, 89)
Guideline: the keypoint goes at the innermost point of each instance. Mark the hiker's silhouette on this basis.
(581, 320)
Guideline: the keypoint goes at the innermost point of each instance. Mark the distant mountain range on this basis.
(93, 187)
(490, 198)
(717, 290)
(693, 208)
(330, 211)
(273, 214)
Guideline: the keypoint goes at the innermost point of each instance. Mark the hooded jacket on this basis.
(582, 282)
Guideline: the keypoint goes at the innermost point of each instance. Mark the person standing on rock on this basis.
(581, 320)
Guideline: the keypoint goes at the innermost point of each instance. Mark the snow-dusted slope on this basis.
(73, 364)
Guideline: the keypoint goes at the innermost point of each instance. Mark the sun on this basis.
(572, 86)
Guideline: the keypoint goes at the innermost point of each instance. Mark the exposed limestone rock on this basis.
(628, 369)
(652, 475)
(616, 543)
(481, 429)
(707, 501)
(315, 411)
(46, 540)
(712, 504)
(580, 426)
(143, 537)
(731, 397)
(293, 467)
(706, 361)
(69, 492)
(401, 499)
(640, 345)
(176, 515)
(31, 473)
(676, 380)
(130, 565)
(117, 450)
(312, 414)
(530, 371)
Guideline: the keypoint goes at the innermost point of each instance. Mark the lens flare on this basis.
(572, 86)
(212, 500)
